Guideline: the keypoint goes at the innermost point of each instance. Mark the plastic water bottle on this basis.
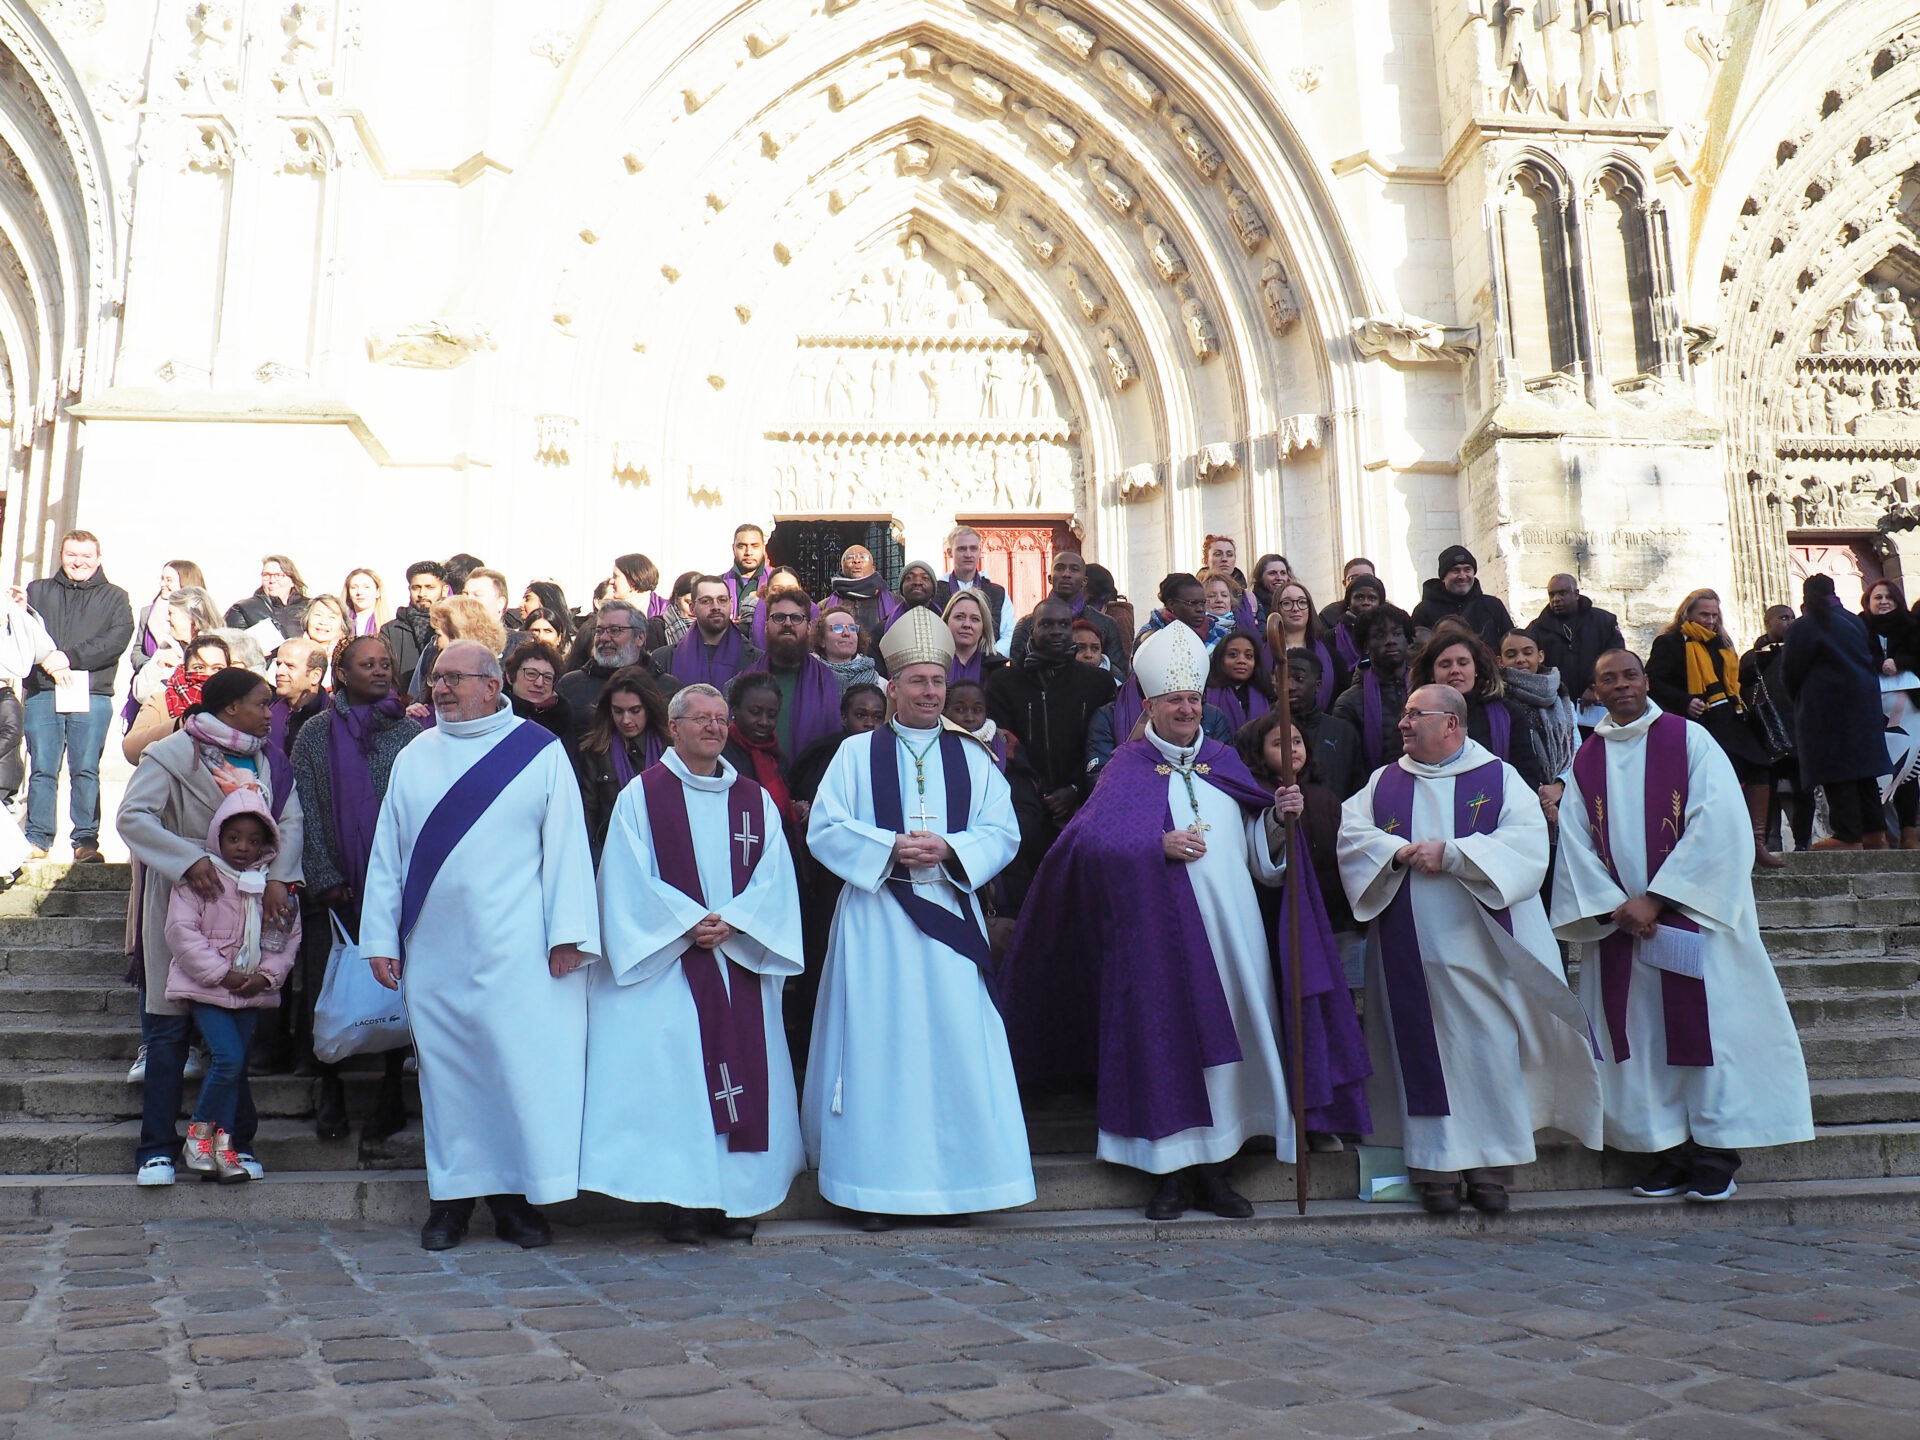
(273, 935)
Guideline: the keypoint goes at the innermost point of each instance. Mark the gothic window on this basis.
(1537, 287)
(1620, 257)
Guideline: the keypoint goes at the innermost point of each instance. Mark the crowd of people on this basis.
(895, 854)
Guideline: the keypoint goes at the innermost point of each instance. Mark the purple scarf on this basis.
(652, 747)
(351, 731)
(656, 604)
(1127, 706)
(736, 583)
(695, 663)
(1373, 739)
(1683, 999)
(1326, 693)
(967, 669)
(1226, 699)
(1343, 642)
(816, 702)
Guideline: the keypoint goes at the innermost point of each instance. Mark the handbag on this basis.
(355, 1014)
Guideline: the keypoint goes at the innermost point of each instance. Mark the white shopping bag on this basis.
(355, 1014)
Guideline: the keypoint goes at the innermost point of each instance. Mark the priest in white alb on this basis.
(1700, 1055)
(1478, 1044)
(480, 907)
(911, 1107)
(690, 1094)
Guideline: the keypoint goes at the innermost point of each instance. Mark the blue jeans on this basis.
(228, 1033)
(167, 1037)
(80, 739)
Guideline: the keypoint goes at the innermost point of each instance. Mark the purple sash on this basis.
(1499, 728)
(1477, 797)
(351, 734)
(733, 580)
(960, 933)
(1683, 999)
(1373, 739)
(1323, 701)
(1226, 699)
(697, 663)
(815, 712)
(733, 1026)
(1343, 642)
(967, 669)
(652, 747)
(466, 800)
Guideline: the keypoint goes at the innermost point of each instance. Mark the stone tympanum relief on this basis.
(921, 394)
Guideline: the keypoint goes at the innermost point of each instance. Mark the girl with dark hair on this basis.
(1300, 629)
(1270, 572)
(181, 781)
(1459, 659)
(1896, 640)
(636, 579)
(628, 733)
(1833, 674)
(676, 618)
(1238, 684)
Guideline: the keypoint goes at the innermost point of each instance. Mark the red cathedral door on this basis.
(1019, 555)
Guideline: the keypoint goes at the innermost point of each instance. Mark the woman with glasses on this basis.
(533, 685)
(839, 640)
(1300, 629)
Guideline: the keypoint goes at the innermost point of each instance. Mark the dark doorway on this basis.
(812, 549)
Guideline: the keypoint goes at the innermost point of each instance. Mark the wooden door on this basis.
(1019, 555)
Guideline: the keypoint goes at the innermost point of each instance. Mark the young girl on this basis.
(1237, 683)
(227, 963)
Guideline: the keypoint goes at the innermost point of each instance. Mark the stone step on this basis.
(98, 1096)
(78, 932)
(91, 995)
(51, 875)
(58, 962)
(69, 1037)
(1858, 1156)
(24, 900)
(1813, 1008)
(1864, 884)
(1871, 1101)
(1803, 912)
(1838, 940)
(1833, 972)
(1864, 1053)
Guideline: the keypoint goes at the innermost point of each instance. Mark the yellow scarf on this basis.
(1706, 680)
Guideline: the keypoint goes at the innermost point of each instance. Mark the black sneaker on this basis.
(1668, 1178)
(1704, 1191)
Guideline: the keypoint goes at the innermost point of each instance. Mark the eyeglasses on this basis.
(1295, 604)
(536, 677)
(703, 722)
(789, 620)
(843, 629)
(1416, 714)
(600, 630)
(451, 677)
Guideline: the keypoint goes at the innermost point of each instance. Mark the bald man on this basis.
(299, 677)
(1573, 633)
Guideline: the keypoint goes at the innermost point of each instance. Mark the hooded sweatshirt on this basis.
(209, 937)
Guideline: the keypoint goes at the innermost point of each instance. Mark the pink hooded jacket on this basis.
(204, 935)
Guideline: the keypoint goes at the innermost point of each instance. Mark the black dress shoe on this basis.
(1488, 1199)
(960, 1221)
(728, 1228)
(681, 1226)
(389, 1111)
(1222, 1198)
(1169, 1200)
(1438, 1201)
(446, 1227)
(521, 1225)
(873, 1224)
(330, 1117)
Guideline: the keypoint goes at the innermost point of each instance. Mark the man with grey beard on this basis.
(619, 640)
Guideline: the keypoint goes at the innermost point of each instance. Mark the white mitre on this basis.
(918, 637)
(1171, 660)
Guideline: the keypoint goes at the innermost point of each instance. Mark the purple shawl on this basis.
(652, 747)
(351, 730)
(737, 584)
(816, 702)
(1327, 693)
(1343, 642)
(694, 663)
(1114, 975)
(968, 669)
(1127, 706)
(1226, 699)
(1373, 720)
(656, 604)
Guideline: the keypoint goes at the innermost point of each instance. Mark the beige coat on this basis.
(164, 818)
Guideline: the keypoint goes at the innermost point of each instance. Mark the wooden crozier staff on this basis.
(1290, 855)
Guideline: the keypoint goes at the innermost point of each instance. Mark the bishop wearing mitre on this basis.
(690, 1094)
(911, 1107)
(1478, 1045)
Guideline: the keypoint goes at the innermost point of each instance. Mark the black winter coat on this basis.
(408, 634)
(1574, 646)
(1048, 710)
(92, 623)
(289, 619)
(1840, 731)
(1487, 614)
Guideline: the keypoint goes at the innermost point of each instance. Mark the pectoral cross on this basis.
(925, 819)
(1199, 827)
(728, 1093)
(1473, 808)
(747, 840)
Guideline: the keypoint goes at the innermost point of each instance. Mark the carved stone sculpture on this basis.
(1216, 462)
(916, 157)
(1129, 79)
(977, 188)
(1120, 366)
(1204, 154)
(1897, 320)
(1085, 294)
(1042, 241)
(1138, 481)
(1413, 341)
(1108, 185)
(984, 88)
(553, 438)
(1168, 263)
(1865, 329)
(1202, 337)
(1055, 134)
(1283, 312)
(1075, 39)
(1248, 223)
(1299, 432)
(429, 344)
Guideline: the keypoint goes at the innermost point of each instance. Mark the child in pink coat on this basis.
(228, 963)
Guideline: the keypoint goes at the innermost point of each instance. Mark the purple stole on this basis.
(1683, 998)
(694, 663)
(960, 933)
(968, 669)
(1335, 1060)
(734, 579)
(816, 701)
(1327, 694)
(1226, 699)
(1343, 642)
(1373, 738)
(652, 747)
(466, 800)
(1477, 797)
(1499, 727)
(656, 604)
(733, 1027)
(351, 731)
(366, 623)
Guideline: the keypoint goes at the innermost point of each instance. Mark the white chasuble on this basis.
(911, 1107)
(1512, 1068)
(649, 1118)
(1755, 1092)
(1249, 1097)
(502, 1045)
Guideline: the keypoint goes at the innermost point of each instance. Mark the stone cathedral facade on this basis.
(1621, 287)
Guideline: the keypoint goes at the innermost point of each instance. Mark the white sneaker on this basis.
(137, 1072)
(252, 1166)
(197, 1062)
(157, 1171)
(410, 1066)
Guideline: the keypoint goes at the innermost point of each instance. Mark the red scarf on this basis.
(766, 768)
(182, 692)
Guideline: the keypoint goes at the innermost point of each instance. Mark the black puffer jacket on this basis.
(1573, 645)
(91, 620)
(1487, 614)
(289, 619)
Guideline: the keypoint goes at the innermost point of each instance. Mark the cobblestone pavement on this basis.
(299, 1332)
